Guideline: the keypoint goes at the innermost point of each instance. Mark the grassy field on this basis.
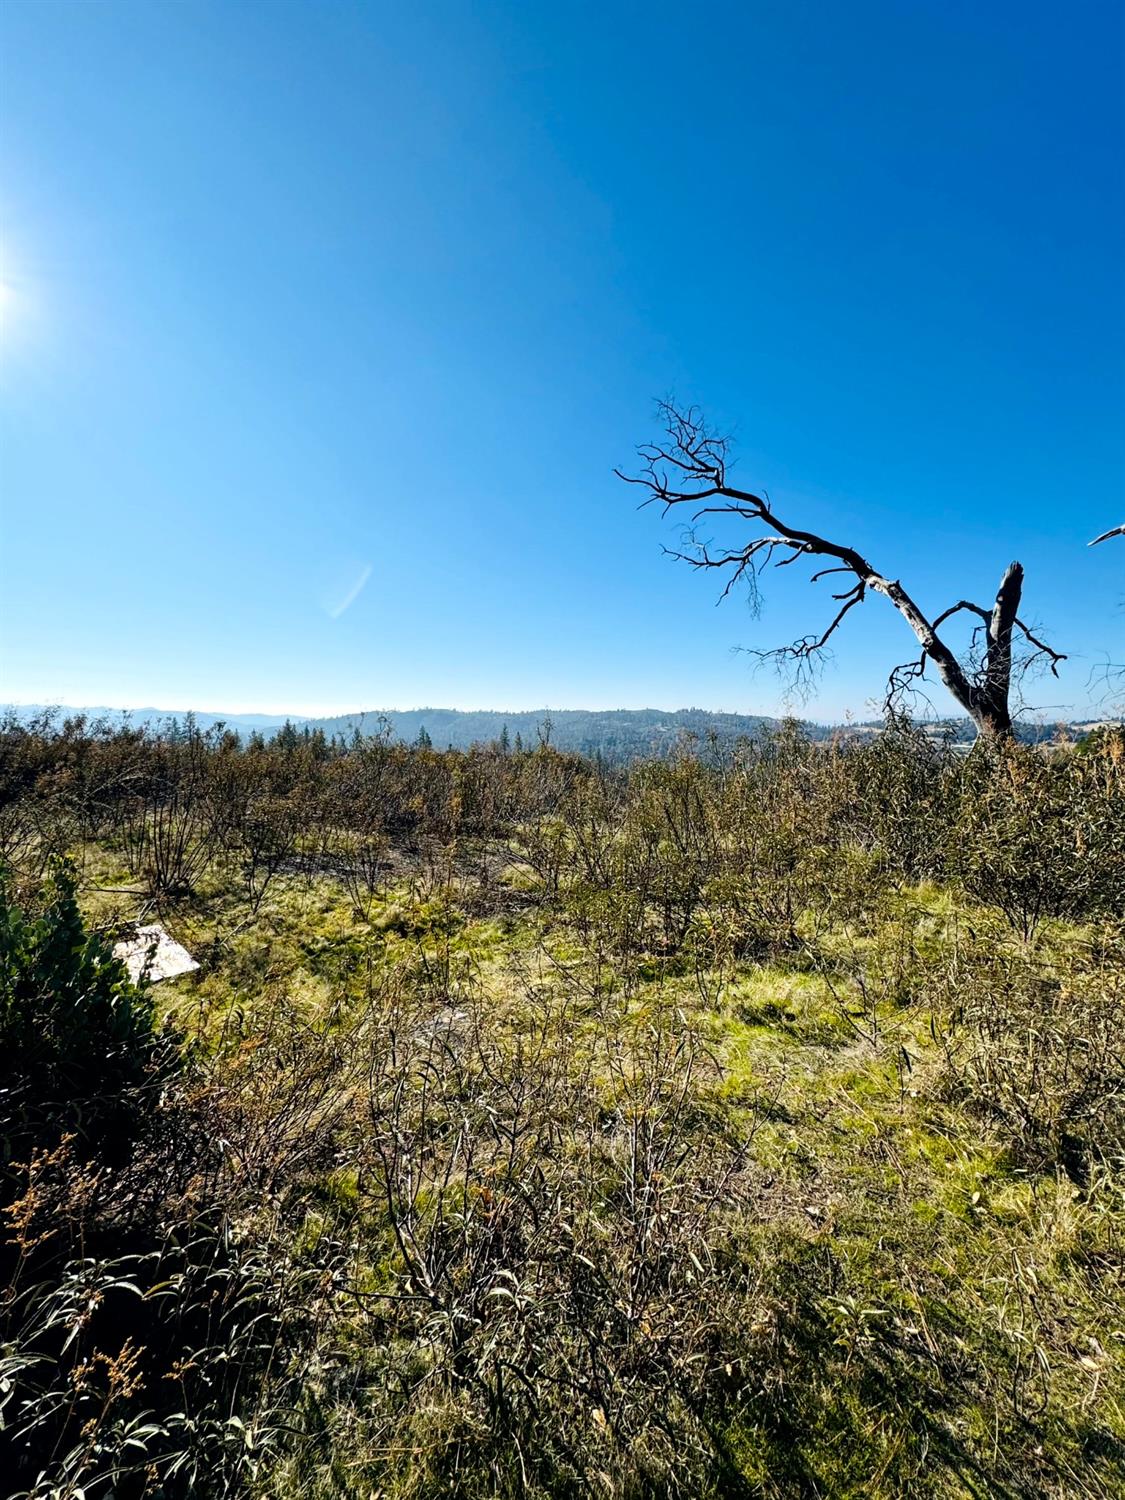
(696, 1134)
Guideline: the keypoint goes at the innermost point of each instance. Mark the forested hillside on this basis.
(619, 734)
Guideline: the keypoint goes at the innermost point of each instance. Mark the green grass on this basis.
(951, 1325)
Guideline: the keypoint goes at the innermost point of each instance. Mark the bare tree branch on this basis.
(1041, 649)
(962, 604)
(1105, 536)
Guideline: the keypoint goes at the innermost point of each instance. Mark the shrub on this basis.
(1042, 836)
(145, 1293)
(1043, 1055)
(76, 1036)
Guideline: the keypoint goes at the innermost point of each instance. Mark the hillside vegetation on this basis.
(747, 1122)
(616, 734)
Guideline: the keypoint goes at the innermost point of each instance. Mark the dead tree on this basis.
(689, 466)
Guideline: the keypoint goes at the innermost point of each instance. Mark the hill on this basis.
(618, 734)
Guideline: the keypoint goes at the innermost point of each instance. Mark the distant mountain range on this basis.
(618, 734)
(621, 733)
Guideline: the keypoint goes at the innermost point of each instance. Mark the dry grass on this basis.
(684, 1134)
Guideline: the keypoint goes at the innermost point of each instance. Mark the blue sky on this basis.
(324, 326)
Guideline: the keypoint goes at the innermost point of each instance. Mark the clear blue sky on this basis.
(325, 324)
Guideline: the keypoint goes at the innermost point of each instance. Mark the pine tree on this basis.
(287, 738)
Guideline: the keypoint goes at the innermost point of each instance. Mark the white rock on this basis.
(153, 955)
